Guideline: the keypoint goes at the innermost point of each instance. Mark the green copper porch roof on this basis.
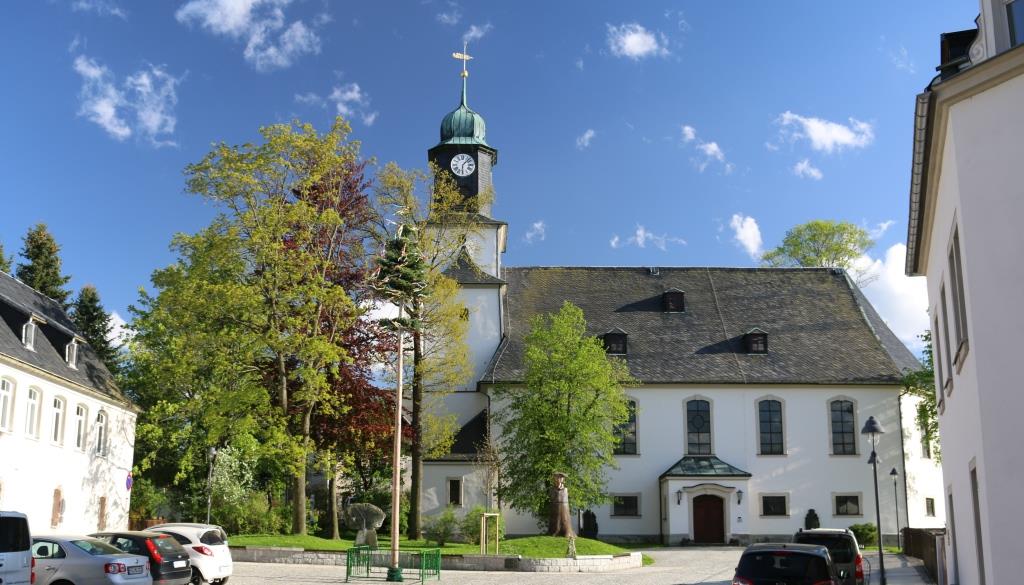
(463, 126)
(703, 466)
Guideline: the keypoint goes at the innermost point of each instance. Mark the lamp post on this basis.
(211, 456)
(896, 501)
(873, 428)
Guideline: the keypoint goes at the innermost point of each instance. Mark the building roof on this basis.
(464, 271)
(463, 126)
(466, 446)
(18, 302)
(822, 330)
(703, 466)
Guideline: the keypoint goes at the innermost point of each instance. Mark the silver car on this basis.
(83, 560)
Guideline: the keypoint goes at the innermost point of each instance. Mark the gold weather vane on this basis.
(464, 56)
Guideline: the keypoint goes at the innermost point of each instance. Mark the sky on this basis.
(629, 134)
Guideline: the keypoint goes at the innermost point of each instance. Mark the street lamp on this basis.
(896, 500)
(873, 428)
(211, 456)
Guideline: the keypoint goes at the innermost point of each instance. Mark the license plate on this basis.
(137, 570)
(179, 564)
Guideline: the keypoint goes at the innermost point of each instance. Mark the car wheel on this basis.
(197, 578)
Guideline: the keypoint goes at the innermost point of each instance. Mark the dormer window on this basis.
(673, 301)
(28, 335)
(615, 342)
(71, 354)
(756, 341)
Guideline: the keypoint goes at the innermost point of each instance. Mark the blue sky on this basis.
(661, 133)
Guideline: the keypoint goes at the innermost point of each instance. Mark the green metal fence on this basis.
(357, 562)
(430, 564)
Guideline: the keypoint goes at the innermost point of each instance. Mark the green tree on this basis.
(289, 246)
(42, 269)
(562, 418)
(94, 324)
(444, 224)
(5, 261)
(823, 242)
(921, 384)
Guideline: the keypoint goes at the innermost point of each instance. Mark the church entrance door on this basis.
(708, 520)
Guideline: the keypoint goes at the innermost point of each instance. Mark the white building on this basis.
(966, 200)
(67, 434)
(754, 386)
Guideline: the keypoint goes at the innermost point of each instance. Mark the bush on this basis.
(253, 514)
(443, 526)
(866, 534)
(470, 526)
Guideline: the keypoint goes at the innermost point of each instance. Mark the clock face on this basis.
(463, 165)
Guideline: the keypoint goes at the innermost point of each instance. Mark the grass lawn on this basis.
(528, 547)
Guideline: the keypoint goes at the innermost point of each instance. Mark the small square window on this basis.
(673, 301)
(929, 507)
(455, 492)
(756, 341)
(847, 505)
(774, 506)
(615, 343)
(626, 506)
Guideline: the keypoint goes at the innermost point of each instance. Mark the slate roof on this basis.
(467, 442)
(821, 328)
(18, 301)
(703, 466)
(465, 271)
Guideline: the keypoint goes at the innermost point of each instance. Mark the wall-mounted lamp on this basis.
(739, 496)
(679, 496)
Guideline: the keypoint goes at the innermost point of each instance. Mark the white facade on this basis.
(72, 480)
(968, 202)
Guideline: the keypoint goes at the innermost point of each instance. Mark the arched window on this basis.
(32, 412)
(626, 433)
(101, 433)
(6, 404)
(844, 427)
(81, 416)
(698, 427)
(57, 433)
(769, 421)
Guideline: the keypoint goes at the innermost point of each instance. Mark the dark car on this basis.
(842, 547)
(168, 560)
(786, 564)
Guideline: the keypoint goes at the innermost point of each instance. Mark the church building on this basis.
(753, 386)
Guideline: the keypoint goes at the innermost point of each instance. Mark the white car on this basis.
(16, 564)
(207, 546)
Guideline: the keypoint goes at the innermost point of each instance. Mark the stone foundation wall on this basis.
(581, 564)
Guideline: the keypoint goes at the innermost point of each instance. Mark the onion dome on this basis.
(463, 126)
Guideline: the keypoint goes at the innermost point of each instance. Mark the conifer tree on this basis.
(5, 261)
(42, 271)
(94, 324)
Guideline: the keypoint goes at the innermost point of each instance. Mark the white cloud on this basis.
(476, 32)
(824, 135)
(641, 237)
(579, 64)
(142, 105)
(805, 170)
(349, 100)
(879, 230)
(119, 333)
(101, 7)
(689, 133)
(270, 42)
(902, 301)
(583, 140)
(747, 235)
(712, 151)
(537, 231)
(635, 42)
(79, 42)
(901, 60)
(451, 17)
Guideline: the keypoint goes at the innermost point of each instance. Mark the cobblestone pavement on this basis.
(673, 566)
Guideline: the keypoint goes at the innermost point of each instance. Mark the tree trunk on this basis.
(416, 485)
(332, 494)
(299, 499)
